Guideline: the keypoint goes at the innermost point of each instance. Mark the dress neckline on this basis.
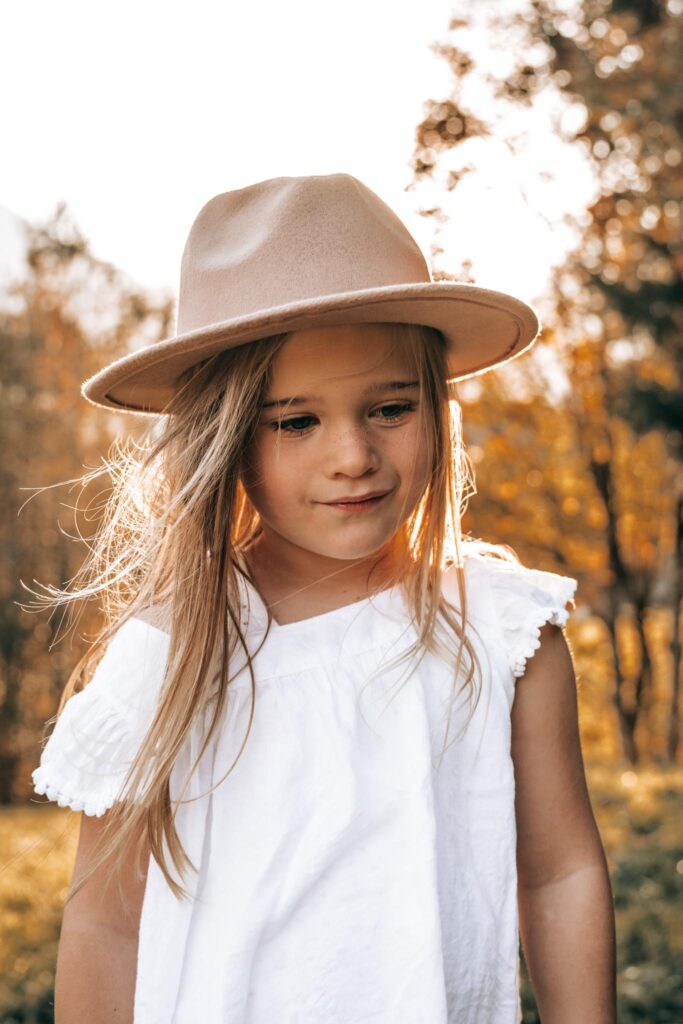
(380, 599)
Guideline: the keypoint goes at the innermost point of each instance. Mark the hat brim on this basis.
(483, 328)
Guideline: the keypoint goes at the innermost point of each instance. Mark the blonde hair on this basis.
(172, 528)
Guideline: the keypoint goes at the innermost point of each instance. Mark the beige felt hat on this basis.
(296, 252)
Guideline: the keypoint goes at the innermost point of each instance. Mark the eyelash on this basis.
(281, 425)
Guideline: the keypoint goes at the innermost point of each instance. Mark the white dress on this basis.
(346, 875)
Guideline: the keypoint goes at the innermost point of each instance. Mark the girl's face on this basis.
(340, 422)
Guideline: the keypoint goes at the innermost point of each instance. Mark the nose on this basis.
(352, 453)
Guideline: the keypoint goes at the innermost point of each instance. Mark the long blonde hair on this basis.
(169, 538)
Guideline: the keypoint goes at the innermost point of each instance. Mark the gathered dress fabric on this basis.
(350, 870)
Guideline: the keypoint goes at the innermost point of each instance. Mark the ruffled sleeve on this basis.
(95, 739)
(525, 600)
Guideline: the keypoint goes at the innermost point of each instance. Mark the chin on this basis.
(350, 552)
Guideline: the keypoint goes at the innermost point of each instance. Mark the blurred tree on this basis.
(611, 71)
(71, 315)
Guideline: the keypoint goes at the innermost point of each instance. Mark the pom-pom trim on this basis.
(529, 634)
(93, 804)
(86, 757)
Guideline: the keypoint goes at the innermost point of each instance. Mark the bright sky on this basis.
(136, 113)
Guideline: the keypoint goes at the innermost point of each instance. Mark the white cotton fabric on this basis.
(347, 874)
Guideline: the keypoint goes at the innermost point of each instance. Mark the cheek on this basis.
(269, 474)
(412, 455)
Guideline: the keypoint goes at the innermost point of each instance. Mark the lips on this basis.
(359, 503)
(353, 500)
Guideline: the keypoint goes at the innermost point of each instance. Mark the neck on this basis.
(281, 569)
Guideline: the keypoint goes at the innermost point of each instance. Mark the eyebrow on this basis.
(389, 385)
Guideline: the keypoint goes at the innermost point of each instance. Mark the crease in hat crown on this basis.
(327, 252)
(290, 253)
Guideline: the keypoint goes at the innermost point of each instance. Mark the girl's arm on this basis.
(564, 896)
(97, 956)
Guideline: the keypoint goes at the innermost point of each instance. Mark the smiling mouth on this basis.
(358, 504)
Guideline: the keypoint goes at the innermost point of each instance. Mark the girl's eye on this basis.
(291, 426)
(298, 425)
(399, 408)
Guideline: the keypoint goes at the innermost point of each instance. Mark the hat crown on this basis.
(289, 240)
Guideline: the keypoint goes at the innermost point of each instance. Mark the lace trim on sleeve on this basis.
(93, 744)
(526, 600)
(87, 756)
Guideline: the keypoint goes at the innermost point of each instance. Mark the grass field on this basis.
(640, 815)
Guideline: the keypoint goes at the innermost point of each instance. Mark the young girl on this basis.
(330, 754)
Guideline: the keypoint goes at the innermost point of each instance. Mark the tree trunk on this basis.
(673, 733)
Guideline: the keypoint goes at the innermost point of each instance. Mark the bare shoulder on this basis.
(545, 707)
(555, 824)
(548, 685)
